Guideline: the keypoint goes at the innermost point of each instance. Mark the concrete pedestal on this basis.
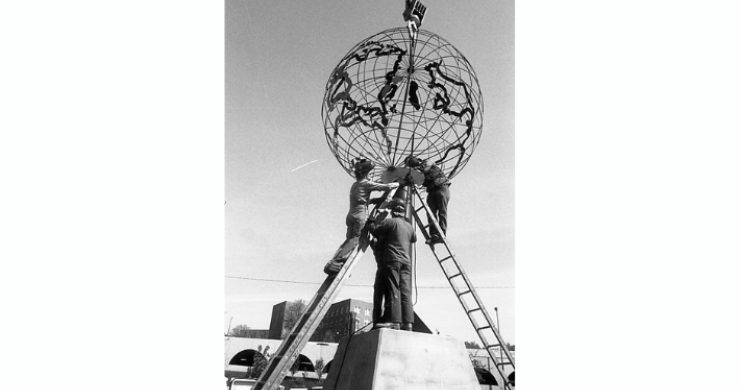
(386, 359)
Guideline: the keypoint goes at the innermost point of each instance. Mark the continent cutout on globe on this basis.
(387, 100)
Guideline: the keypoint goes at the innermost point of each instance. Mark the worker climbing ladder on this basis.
(464, 291)
(288, 352)
(286, 355)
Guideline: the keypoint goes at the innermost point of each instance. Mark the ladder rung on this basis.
(289, 350)
(487, 326)
(446, 258)
(476, 309)
(454, 276)
(503, 364)
(463, 293)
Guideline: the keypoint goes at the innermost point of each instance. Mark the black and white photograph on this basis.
(408, 282)
(349, 195)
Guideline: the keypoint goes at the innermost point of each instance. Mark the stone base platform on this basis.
(386, 359)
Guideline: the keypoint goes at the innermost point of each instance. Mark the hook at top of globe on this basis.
(413, 15)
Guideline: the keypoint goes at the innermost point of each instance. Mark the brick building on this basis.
(342, 319)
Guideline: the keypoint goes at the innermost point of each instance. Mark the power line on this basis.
(352, 285)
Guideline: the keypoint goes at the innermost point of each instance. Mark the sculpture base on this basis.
(385, 359)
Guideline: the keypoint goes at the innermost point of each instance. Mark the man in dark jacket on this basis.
(438, 194)
(395, 236)
(381, 306)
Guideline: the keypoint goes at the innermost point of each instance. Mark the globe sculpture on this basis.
(393, 96)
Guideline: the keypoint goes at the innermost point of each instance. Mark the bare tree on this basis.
(319, 366)
(293, 312)
(239, 331)
(476, 363)
(260, 362)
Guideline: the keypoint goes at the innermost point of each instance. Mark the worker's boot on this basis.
(346, 249)
(435, 239)
(387, 325)
(408, 326)
(333, 267)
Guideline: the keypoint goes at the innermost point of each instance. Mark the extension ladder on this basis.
(288, 352)
(465, 292)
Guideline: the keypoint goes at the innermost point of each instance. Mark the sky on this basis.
(286, 194)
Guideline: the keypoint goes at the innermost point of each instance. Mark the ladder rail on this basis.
(469, 309)
(479, 302)
(290, 348)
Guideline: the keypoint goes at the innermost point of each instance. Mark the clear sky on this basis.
(283, 223)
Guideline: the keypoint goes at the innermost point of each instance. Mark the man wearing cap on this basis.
(359, 197)
(395, 236)
(438, 194)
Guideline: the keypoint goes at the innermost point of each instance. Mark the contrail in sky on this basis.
(295, 169)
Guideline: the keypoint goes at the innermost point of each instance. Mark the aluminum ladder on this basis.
(283, 359)
(465, 292)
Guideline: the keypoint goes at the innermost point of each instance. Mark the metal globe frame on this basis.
(393, 96)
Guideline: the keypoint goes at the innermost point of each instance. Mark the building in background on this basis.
(277, 322)
(257, 333)
(342, 319)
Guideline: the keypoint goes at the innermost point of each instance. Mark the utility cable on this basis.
(346, 348)
(416, 284)
(351, 285)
